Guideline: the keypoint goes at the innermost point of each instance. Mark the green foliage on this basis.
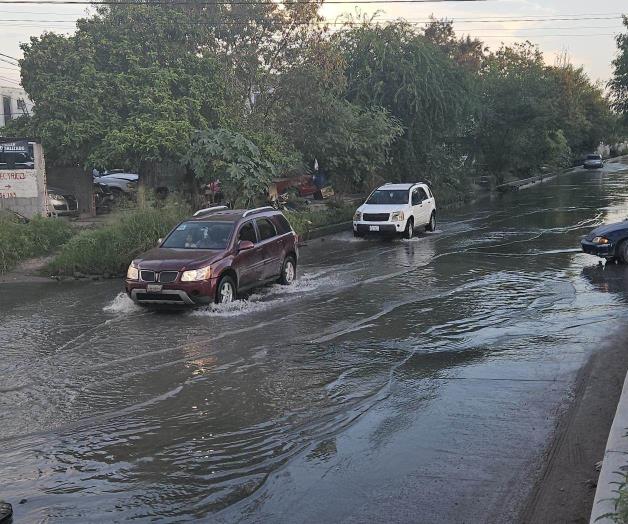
(620, 515)
(219, 154)
(38, 237)
(139, 85)
(583, 111)
(305, 221)
(111, 248)
(619, 81)
(520, 126)
(127, 87)
(350, 143)
(396, 68)
(467, 52)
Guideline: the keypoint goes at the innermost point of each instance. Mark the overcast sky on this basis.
(586, 32)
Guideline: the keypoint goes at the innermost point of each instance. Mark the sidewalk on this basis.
(615, 464)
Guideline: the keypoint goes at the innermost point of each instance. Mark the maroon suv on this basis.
(213, 256)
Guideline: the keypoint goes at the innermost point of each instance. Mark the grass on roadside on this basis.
(304, 221)
(111, 248)
(38, 237)
(621, 503)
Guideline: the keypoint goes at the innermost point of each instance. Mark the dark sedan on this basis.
(609, 241)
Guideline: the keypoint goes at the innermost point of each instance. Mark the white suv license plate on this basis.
(373, 228)
(154, 288)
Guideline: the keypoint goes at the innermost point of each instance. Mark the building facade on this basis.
(13, 103)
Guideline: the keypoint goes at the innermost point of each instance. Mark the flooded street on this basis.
(400, 381)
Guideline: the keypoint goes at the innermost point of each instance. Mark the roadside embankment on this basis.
(566, 488)
(109, 249)
(611, 497)
(21, 241)
(311, 224)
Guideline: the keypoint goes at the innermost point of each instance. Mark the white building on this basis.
(13, 103)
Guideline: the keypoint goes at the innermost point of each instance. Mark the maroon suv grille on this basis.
(375, 217)
(168, 276)
(147, 276)
(160, 297)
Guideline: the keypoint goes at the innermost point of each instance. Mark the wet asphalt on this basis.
(396, 381)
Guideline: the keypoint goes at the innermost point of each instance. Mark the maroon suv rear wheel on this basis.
(288, 271)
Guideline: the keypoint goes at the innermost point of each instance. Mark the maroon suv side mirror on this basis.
(243, 245)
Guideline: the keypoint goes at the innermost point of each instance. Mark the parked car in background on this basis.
(103, 198)
(396, 209)
(213, 256)
(61, 202)
(609, 241)
(593, 162)
(303, 186)
(119, 183)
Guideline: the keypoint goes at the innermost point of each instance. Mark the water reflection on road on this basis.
(403, 381)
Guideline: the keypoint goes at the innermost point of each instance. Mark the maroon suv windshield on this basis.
(200, 235)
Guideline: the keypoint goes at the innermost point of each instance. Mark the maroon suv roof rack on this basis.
(208, 210)
(257, 210)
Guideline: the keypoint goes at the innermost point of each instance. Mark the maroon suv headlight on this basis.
(195, 275)
(133, 273)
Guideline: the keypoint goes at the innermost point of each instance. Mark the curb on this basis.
(326, 230)
(615, 463)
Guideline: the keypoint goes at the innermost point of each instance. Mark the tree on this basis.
(619, 82)
(518, 129)
(219, 154)
(396, 68)
(583, 111)
(351, 143)
(467, 52)
(123, 89)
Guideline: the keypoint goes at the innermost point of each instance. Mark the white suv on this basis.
(396, 208)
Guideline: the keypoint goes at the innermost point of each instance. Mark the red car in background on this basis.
(213, 256)
(302, 186)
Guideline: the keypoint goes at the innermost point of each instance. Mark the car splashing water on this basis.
(393, 378)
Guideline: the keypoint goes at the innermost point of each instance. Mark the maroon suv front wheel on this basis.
(226, 291)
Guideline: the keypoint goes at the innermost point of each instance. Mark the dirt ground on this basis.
(565, 491)
(27, 271)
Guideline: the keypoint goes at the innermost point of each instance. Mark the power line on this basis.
(177, 3)
(10, 63)
(348, 23)
(327, 22)
(5, 79)
(581, 16)
(7, 56)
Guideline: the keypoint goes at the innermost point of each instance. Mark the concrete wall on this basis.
(77, 182)
(15, 97)
(24, 190)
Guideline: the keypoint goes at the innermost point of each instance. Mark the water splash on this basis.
(121, 304)
(268, 297)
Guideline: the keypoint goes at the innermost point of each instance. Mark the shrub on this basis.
(304, 221)
(111, 248)
(19, 241)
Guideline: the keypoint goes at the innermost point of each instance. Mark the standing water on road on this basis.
(403, 381)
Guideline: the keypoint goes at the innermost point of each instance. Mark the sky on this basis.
(582, 29)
